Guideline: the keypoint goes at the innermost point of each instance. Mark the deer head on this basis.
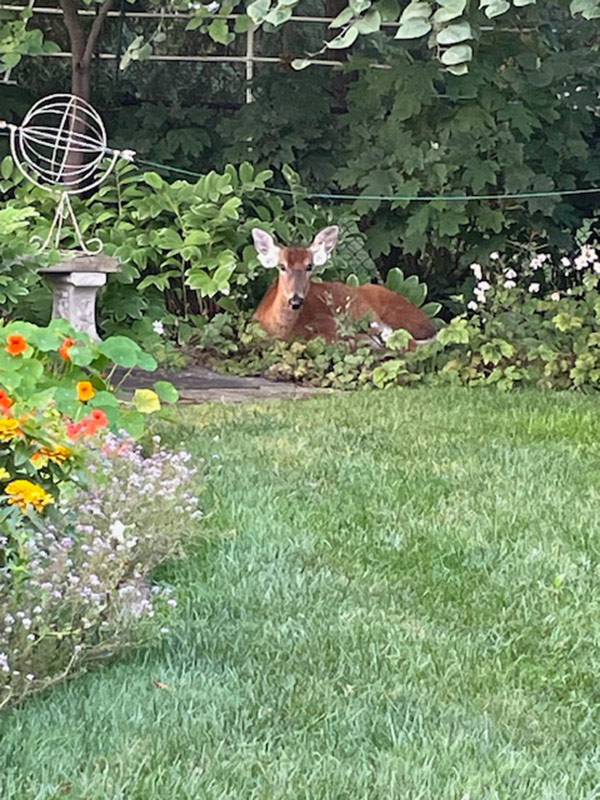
(295, 264)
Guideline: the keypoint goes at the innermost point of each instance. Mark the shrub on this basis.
(77, 587)
(532, 321)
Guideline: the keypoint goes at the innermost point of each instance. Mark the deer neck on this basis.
(282, 318)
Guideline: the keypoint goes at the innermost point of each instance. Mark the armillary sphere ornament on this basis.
(61, 147)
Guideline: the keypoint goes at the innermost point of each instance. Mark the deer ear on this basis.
(323, 244)
(268, 251)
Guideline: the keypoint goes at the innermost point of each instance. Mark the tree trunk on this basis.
(83, 44)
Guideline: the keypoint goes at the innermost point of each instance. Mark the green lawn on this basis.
(400, 599)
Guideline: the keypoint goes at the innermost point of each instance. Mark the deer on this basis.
(294, 307)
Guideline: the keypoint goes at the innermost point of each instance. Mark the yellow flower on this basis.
(4, 474)
(9, 429)
(25, 493)
(58, 455)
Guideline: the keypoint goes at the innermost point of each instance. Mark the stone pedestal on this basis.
(75, 283)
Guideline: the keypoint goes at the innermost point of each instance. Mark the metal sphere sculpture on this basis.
(61, 147)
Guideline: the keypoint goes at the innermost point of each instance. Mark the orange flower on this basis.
(64, 348)
(74, 430)
(5, 404)
(58, 455)
(85, 391)
(99, 418)
(15, 344)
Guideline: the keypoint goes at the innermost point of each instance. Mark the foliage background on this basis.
(523, 119)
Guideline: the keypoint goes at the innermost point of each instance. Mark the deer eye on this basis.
(282, 267)
(309, 268)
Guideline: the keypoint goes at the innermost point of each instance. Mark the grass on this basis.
(399, 599)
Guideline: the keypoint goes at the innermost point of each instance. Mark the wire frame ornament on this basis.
(61, 146)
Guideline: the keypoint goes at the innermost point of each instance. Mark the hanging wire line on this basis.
(388, 198)
(300, 193)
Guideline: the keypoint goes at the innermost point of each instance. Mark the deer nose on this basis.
(296, 301)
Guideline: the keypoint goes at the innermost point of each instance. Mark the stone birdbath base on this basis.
(75, 283)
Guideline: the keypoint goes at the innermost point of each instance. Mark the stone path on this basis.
(198, 384)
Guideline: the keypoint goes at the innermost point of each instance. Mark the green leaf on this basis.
(457, 54)
(493, 8)
(370, 23)
(278, 16)
(458, 69)
(345, 39)
(6, 167)
(219, 32)
(453, 34)
(11, 60)
(153, 179)
(413, 29)
(358, 6)
(166, 391)
(120, 350)
(450, 9)
(300, 63)
(258, 10)
(343, 18)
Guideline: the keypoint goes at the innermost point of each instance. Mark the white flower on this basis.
(537, 261)
(158, 327)
(566, 262)
(581, 262)
(483, 286)
(597, 268)
(555, 296)
(509, 284)
(213, 7)
(472, 305)
(435, 145)
(534, 288)
(510, 274)
(117, 529)
(494, 256)
(476, 270)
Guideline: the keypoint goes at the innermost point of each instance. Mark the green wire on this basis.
(392, 198)
(384, 198)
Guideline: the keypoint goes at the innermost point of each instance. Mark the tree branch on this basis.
(95, 30)
(74, 28)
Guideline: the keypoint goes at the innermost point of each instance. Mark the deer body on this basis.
(294, 307)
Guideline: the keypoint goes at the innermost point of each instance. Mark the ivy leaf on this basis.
(370, 23)
(258, 10)
(345, 39)
(454, 34)
(451, 9)
(493, 8)
(278, 16)
(589, 9)
(218, 30)
(11, 60)
(358, 6)
(457, 54)
(413, 29)
(300, 63)
(343, 18)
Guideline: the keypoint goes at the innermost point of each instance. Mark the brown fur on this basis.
(317, 315)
